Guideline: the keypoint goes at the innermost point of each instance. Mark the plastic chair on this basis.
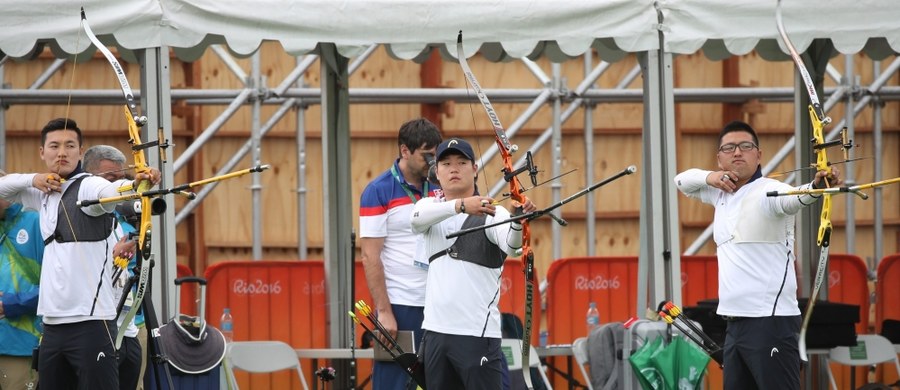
(877, 349)
(580, 352)
(262, 357)
(512, 348)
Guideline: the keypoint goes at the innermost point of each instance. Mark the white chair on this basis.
(262, 357)
(512, 348)
(877, 349)
(580, 352)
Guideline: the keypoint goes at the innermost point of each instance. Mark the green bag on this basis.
(648, 376)
(679, 365)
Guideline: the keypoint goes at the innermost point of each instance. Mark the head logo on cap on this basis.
(459, 146)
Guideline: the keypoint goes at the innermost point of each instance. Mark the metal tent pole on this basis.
(258, 83)
(849, 81)
(589, 206)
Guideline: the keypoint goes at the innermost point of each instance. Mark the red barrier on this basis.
(887, 303)
(887, 290)
(848, 282)
(699, 279)
(573, 283)
(271, 300)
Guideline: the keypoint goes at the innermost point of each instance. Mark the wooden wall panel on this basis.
(222, 226)
(698, 73)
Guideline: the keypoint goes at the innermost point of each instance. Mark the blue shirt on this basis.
(126, 229)
(21, 251)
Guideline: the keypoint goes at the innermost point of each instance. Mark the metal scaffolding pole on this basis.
(230, 63)
(302, 223)
(291, 79)
(849, 81)
(878, 207)
(556, 153)
(257, 82)
(338, 205)
(428, 95)
(49, 72)
(157, 106)
(589, 207)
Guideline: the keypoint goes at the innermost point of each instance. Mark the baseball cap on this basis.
(456, 144)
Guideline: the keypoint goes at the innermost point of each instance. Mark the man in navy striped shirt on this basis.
(396, 277)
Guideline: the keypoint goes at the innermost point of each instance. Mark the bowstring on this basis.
(62, 204)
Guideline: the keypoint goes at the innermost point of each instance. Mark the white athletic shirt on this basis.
(754, 236)
(461, 297)
(71, 270)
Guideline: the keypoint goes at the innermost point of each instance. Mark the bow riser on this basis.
(134, 121)
(515, 192)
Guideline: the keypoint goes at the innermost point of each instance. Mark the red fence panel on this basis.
(848, 282)
(573, 283)
(271, 300)
(887, 302)
(699, 279)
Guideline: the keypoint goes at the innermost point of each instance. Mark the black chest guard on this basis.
(474, 247)
(86, 227)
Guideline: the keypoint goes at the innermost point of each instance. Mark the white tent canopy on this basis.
(411, 28)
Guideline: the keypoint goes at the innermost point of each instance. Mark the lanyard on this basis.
(405, 186)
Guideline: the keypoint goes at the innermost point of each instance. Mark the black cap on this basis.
(456, 144)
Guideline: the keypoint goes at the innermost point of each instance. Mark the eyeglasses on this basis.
(745, 146)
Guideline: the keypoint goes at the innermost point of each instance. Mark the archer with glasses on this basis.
(754, 237)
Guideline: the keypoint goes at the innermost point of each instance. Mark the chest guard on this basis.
(474, 247)
(86, 227)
